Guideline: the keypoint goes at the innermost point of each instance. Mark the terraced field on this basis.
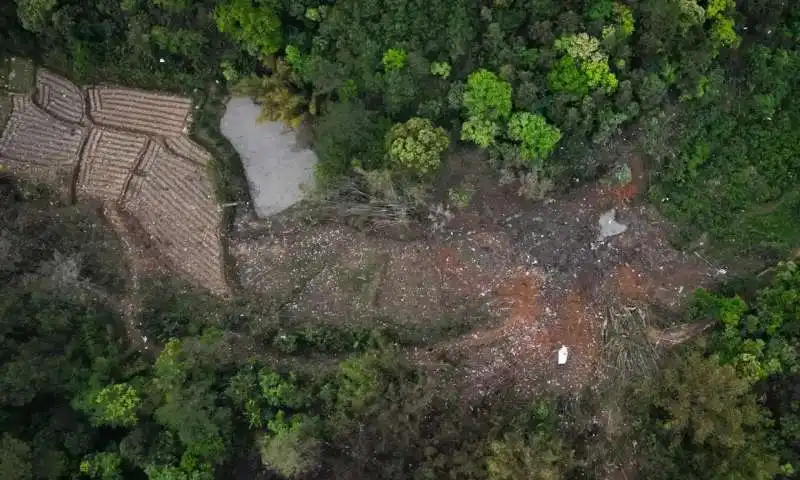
(59, 97)
(39, 147)
(107, 162)
(139, 111)
(125, 148)
(175, 203)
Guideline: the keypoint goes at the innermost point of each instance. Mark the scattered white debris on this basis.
(563, 354)
(609, 225)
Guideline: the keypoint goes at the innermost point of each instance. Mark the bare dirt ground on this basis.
(536, 269)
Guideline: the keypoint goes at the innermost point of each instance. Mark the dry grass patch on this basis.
(627, 346)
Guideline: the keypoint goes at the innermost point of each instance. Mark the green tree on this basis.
(482, 132)
(291, 447)
(256, 25)
(35, 14)
(416, 146)
(531, 447)
(487, 97)
(535, 456)
(116, 405)
(441, 69)
(181, 41)
(706, 423)
(278, 98)
(103, 466)
(15, 458)
(348, 134)
(176, 5)
(583, 67)
(394, 59)
(187, 401)
(538, 138)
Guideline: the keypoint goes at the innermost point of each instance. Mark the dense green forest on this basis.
(706, 90)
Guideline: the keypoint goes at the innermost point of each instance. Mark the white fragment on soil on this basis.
(563, 354)
(274, 165)
(609, 225)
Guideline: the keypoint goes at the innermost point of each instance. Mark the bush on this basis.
(348, 134)
(291, 448)
(416, 146)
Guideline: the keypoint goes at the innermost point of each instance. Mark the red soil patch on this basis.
(631, 284)
(519, 298)
(624, 194)
(520, 295)
(522, 352)
(577, 328)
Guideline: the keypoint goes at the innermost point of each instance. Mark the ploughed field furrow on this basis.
(93, 95)
(60, 97)
(108, 161)
(152, 113)
(186, 147)
(145, 165)
(42, 95)
(173, 201)
(36, 138)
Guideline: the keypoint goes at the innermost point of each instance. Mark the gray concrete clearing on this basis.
(274, 164)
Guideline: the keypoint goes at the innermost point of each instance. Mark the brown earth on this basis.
(535, 268)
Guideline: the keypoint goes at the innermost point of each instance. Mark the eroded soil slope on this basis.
(535, 274)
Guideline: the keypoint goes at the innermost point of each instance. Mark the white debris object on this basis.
(563, 353)
(609, 225)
